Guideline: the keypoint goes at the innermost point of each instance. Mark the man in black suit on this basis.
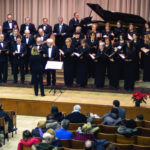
(19, 53)
(73, 23)
(9, 25)
(28, 40)
(76, 116)
(3, 59)
(28, 26)
(60, 32)
(51, 53)
(42, 35)
(46, 27)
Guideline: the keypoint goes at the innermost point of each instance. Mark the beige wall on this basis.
(37, 9)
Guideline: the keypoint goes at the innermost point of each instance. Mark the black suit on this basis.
(28, 41)
(3, 61)
(6, 28)
(36, 63)
(60, 39)
(72, 25)
(43, 38)
(47, 29)
(18, 61)
(30, 27)
(76, 117)
(54, 56)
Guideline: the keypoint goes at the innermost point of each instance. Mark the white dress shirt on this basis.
(50, 52)
(27, 27)
(60, 27)
(44, 27)
(10, 25)
(2, 44)
(27, 40)
(18, 48)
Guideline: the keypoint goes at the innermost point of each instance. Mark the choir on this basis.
(117, 52)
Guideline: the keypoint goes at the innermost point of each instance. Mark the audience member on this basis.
(27, 140)
(122, 112)
(40, 129)
(63, 133)
(58, 116)
(45, 144)
(112, 118)
(139, 117)
(88, 145)
(76, 116)
(129, 129)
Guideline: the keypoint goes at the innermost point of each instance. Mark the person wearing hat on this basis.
(51, 53)
(40, 129)
(37, 69)
(76, 116)
(101, 64)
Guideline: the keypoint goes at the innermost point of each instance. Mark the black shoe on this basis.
(0, 145)
(42, 95)
(36, 94)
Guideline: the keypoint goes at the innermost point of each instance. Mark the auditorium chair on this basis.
(144, 132)
(146, 124)
(65, 148)
(141, 140)
(108, 129)
(74, 126)
(123, 146)
(4, 129)
(125, 140)
(139, 123)
(66, 143)
(109, 137)
(75, 144)
(140, 147)
(12, 115)
(98, 121)
(23, 147)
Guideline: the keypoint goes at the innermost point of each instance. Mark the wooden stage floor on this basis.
(23, 101)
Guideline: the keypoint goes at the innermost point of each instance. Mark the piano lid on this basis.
(113, 17)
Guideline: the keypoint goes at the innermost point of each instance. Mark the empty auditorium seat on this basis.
(74, 126)
(106, 136)
(125, 140)
(66, 143)
(139, 123)
(141, 140)
(75, 144)
(123, 146)
(139, 147)
(108, 129)
(146, 124)
(144, 132)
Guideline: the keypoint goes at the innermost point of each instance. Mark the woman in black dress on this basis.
(36, 63)
(146, 58)
(101, 63)
(68, 62)
(129, 66)
(82, 64)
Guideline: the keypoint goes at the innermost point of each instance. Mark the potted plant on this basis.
(139, 98)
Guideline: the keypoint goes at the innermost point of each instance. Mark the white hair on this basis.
(77, 108)
(49, 40)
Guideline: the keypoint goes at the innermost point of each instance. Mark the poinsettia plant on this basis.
(139, 98)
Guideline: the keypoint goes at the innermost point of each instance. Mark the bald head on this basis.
(60, 19)
(41, 31)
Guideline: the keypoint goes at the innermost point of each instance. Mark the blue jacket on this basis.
(63, 134)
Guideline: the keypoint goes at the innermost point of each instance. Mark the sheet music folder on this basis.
(55, 65)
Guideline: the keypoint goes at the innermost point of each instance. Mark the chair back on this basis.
(108, 129)
(125, 140)
(146, 124)
(77, 144)
(66, 143)
(98, 121)
(141, 140)
(139, 123)
(139, 147)
(23, 147)
(123, 146)
(109, 137)
(74, 126)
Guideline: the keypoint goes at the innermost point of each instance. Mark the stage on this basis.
(23, 101)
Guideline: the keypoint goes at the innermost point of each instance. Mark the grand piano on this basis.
(111, 17)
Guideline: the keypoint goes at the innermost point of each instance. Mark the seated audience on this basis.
(122, 112)
(129, 129)
(52, 123)
(45, 144)
(112, 118)
(63, 133)
(139, 117)
(40, 129)
(54, 141)
(76, 116)
(27, 140)
(58, 116)
(7, 118)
